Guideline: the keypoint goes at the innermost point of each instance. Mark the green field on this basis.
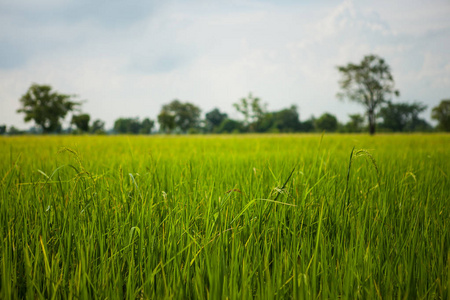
(270, 216)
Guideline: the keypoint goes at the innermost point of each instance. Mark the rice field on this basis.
(225, 217)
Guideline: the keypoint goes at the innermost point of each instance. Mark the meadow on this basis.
(225, 217)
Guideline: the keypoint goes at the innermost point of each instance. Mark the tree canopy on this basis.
(355, 124)
(214, 118)
(81, 122)
(441, 113)
(147, 126)
(287, 120)
(98, 127)
(369, 83)
(133, 126)
(253, 111)
(403, 117)
(327, 122)
(176, 114)
(230, 126)
(46, 107)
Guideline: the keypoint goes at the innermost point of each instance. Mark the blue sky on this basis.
(128, 58)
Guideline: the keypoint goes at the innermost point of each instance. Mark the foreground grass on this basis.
(225, 217)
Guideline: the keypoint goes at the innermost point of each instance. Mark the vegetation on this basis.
(133, 126)
(326, 122)
(369, 83)
(46, 107)
(180, 116)
(81, 122)
(213, 119)
(285, 120)
(403, 117)
(230, 126)
(291, 216)
(441, 113)
(252, 110)
(98, 127)
(356, 123)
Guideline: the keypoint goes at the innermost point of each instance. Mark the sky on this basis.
(128, 58)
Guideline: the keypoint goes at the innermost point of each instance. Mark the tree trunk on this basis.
(371, 116)
(372, 128)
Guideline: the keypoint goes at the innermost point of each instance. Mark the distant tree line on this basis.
(369, 83)
(133, 126)
(82, 125)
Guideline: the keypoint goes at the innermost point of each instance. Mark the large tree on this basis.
(176, 114)
(441, 113)
(46, 107)
(369, 83)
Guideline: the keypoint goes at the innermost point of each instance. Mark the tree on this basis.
(2, 129)
(326, 122)
(287, 120)
(402, 117)
(253, 111)
(179, 115)
(266, 123)
(14, 131)
(214, 118)
(441, 113)
(127, 125)
(369, 83)
(166, 121)
(230, 126)
(98, 127)
(244, 108)
(45, 107)
(146, 126)
(81, 122)
(355, 124)
(308, 125)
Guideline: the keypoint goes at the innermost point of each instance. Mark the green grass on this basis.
(289, 216)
